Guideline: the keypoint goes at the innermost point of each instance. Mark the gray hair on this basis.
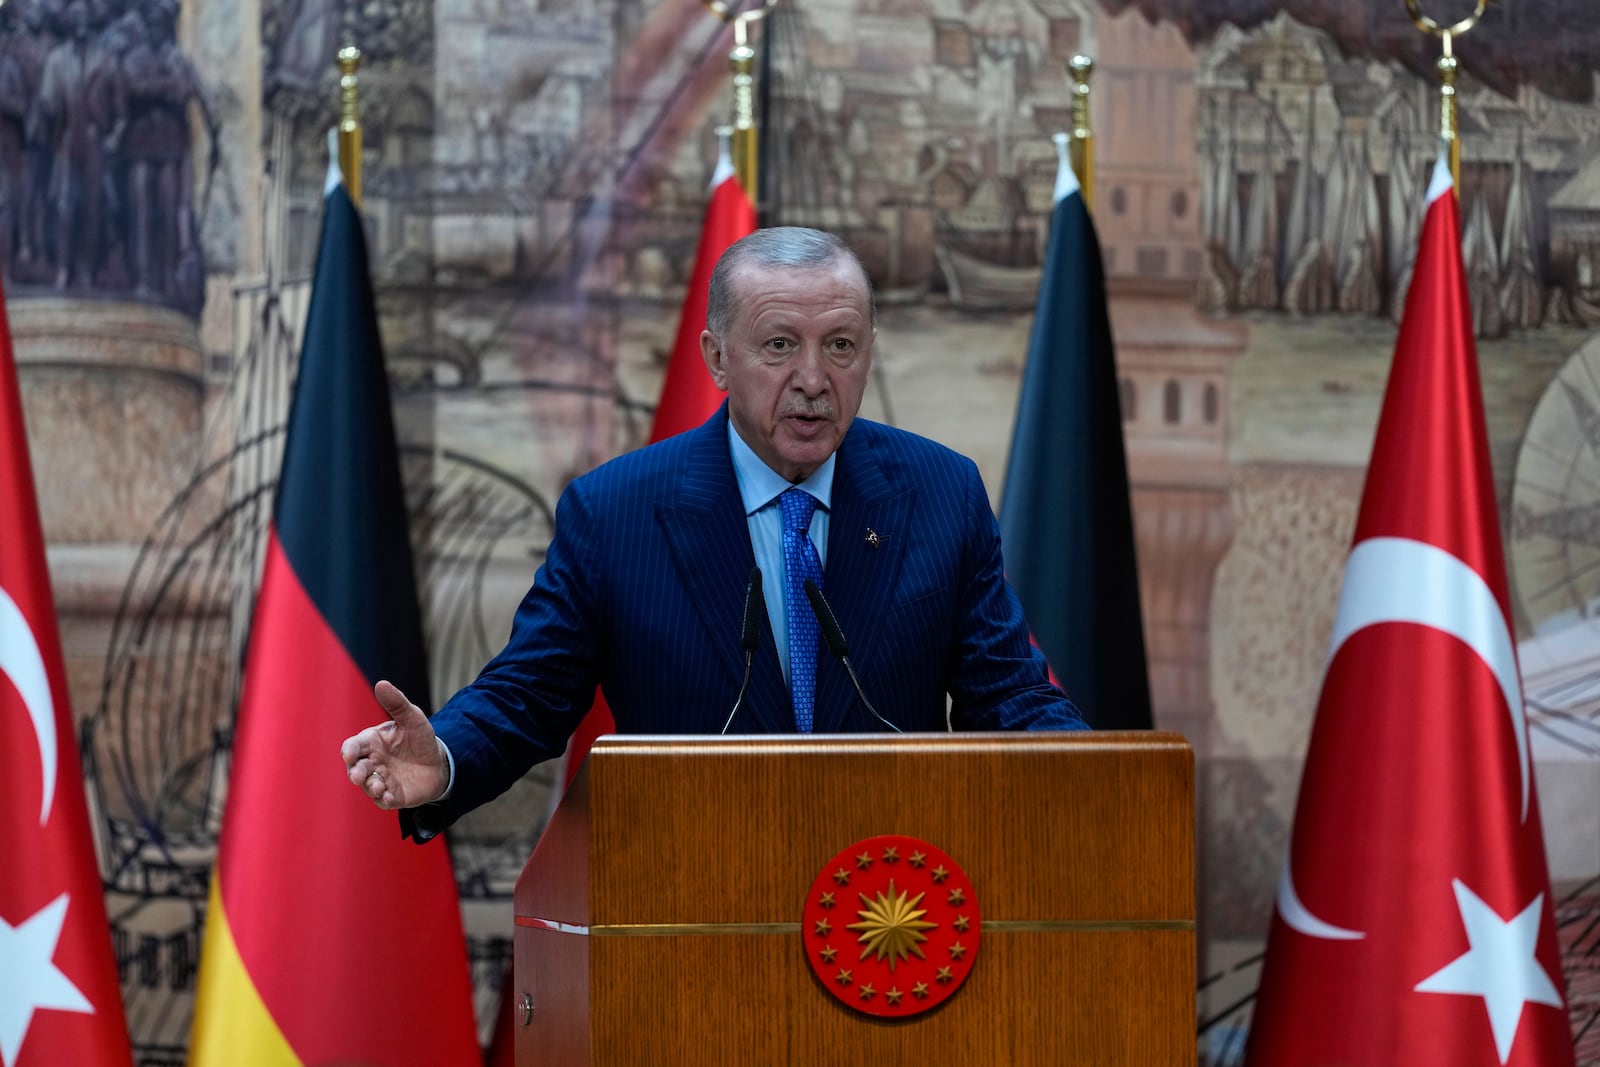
(776, 246)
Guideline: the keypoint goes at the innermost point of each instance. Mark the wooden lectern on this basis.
(658, 921)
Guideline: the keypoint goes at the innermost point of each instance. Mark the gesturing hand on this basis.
(400, 763)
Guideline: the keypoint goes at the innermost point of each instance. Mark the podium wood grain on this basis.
(1080, 849)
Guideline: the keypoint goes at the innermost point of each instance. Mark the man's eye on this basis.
(778, 344)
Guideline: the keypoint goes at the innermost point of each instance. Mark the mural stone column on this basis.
(1173, 372)
(113, 393)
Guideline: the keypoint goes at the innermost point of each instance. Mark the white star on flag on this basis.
(1500, 967)
(29, 980)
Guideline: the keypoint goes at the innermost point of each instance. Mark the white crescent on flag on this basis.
(1396, 579)
(21, 661)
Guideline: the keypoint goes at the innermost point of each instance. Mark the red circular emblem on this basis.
(891, 926)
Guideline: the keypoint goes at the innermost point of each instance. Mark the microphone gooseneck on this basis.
(754, 607)
(833, 634)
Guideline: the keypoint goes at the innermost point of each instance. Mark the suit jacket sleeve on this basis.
(527, 701)
(998, 679)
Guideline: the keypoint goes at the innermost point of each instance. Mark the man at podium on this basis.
(785, 567)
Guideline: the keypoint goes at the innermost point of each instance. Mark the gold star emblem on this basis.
(957, 896)
(957, 950)
(939, 873)
(920, 990)
(944, 976)
(863, 861)
(826, 901)
(823, 929)
(891, 854)
(841, 876)
(961, 923)
(843, 977)
(892, 926)
(827, 953)
(918, 859)
(893, 995)
(867, 992)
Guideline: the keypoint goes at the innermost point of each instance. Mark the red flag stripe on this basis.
(688, 395)
(294, 825)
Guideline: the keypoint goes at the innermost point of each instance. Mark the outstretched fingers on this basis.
(396, 763)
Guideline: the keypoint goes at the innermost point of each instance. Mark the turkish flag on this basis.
(1414, 922)
(59, 998)
(688, 395)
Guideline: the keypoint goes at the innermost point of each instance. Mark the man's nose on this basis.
(810, 371)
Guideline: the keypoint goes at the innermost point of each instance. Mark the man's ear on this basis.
(711, 352)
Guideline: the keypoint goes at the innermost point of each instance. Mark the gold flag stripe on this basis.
(987, 926)
(232, 1025)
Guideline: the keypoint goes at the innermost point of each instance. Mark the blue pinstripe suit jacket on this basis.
(642, 593)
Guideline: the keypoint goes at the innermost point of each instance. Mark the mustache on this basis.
(821, 408)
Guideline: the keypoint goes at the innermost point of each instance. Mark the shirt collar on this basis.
(760, 485)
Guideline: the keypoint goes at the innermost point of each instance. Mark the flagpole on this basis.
(1449, 133)
(746, 143)
(745, 134)
(1448, 66)
(350, 122)
(1082, 144)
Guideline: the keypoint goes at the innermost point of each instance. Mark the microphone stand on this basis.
(833, 634)
(754, 605)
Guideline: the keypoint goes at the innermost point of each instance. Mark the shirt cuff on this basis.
(450, 778)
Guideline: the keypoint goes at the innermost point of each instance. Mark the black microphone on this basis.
(754, 606)
(832, 634)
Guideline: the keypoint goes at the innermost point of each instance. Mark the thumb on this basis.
(391, 700)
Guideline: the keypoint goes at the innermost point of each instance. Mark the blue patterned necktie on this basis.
(800, 562)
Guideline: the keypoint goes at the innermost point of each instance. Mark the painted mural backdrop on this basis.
(534, 176)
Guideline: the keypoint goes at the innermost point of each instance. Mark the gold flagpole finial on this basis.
(1449, 134)
(721, 9)
(1448, 67)
(743, 60)
(350, 121)
(1082, 147)
(746, 146)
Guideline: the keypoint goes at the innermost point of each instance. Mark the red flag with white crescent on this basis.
(1414, 922)
(59, 998)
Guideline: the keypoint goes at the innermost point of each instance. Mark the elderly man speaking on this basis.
(648, 581)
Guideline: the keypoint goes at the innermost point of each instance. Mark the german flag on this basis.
(1066, 519)
(329, 939)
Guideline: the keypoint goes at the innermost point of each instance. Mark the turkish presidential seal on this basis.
(891, 926)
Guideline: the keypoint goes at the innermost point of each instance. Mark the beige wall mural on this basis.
(534, 176)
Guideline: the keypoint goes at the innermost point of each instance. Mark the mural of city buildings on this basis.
(534, 176)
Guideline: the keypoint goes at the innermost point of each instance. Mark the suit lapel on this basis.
(860, 578)
(709, 537)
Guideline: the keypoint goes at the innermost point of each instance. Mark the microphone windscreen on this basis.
(754, 605)
(831, 631)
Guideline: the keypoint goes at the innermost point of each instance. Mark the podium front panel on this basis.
(684, 946)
